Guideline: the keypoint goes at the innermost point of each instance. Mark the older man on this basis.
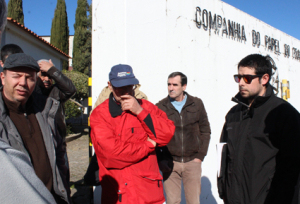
(16, 171)
(125, 132)
(181, 159)
(62, 90)
(28, 124)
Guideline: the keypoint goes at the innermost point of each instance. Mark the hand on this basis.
(152, 141)
(197, 160)
(45, 66)
(129, 103)
(164, 167)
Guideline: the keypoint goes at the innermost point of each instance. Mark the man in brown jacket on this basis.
(181, 159)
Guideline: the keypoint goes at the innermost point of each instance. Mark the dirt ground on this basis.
(77, 149)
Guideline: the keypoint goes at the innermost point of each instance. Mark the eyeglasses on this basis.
(247, 78)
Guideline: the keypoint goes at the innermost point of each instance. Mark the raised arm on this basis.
(63, 83)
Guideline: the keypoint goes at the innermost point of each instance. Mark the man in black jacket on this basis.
(261, 161)
(182, 158)
(62, 90)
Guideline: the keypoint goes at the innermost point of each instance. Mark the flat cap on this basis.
(21, 60)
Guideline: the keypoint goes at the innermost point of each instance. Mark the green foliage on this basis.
(69, 131)
(71, 110)
(82, 38)
(15, 10)
(60, 29)
(80, 81)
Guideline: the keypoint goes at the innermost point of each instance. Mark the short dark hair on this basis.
(10, 49)
(261, 64)
(182, 77)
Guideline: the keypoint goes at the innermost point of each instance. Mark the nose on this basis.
(22, 81)
(242, 82)
(124, 90)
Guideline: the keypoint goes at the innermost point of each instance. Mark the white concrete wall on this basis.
(31, 45)
(71, 38)
(159, 37)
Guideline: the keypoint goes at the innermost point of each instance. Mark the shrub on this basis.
(80, 81)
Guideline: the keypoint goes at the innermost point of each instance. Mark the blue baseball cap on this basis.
(122, 75)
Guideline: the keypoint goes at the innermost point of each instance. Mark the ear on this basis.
(184, 87)
(110, 86)
(2, 75)
(1, 63)
(265, 79)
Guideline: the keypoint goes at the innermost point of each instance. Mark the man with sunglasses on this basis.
(125, 132)
(261, 157)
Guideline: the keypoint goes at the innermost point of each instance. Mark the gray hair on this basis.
(43, 59)
(3, 15)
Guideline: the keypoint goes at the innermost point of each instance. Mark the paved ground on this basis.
(78, 156)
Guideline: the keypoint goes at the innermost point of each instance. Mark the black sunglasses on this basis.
(247, 78)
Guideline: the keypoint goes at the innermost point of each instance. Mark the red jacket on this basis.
(128, 166)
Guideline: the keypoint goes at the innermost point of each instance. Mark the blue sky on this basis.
(283, 15)
(38, 15)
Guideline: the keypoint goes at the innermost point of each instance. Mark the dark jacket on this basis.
(62, 90)
(44, 112)
(262, 159)
(192, 133)
(128, 169)
(296, 199)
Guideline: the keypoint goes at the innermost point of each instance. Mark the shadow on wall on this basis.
(206, 196)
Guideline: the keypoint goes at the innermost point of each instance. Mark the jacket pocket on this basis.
(134, 134)
(192, 115)
(149, 187)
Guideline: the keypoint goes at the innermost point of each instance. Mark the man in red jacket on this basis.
(125, 132)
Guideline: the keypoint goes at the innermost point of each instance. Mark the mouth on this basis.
(22, 92)
(243, 91)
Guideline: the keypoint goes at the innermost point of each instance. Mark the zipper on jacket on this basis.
(120, 195)
(181, 138)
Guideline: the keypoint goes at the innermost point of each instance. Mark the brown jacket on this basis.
(192, 133)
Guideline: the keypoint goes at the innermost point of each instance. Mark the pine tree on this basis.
(15, 10)
(60, 29)
(82, 38)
